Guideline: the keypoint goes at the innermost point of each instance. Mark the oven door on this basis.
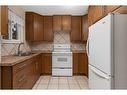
(62, 60)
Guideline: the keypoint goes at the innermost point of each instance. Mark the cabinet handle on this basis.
(21, 79)
(36, 65)
(22, 66)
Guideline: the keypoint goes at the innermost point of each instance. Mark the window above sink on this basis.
(15, 28)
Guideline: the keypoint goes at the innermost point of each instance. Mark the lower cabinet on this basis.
(37, 66)
(80, 64)
(46, 63)
(75, 63)
(22, 75)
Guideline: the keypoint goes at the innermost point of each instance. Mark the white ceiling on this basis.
(57, 10)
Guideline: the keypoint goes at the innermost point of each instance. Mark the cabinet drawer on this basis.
(21, 66)
(20, 78)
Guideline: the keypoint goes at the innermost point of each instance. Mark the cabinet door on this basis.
(48, 28)
(42, 64)
(122, 10)
(83, 63)
(34, 27)
(76, 29)
(109, 9)
(57, 23)
(29, 26)
(66, 23)
(98, 13)
(48, 63)
(37, 66)
(4, 20)
(75, 63)
(84, 28)
(95, 13)
(90, 15)
(38, 27)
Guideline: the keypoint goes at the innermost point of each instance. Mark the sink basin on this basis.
(25, 54)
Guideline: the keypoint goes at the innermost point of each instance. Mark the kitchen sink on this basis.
(25, 54)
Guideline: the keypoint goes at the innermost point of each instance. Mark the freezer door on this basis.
(100, 44)
(98, 79)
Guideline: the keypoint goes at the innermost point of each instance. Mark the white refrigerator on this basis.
(107, 52)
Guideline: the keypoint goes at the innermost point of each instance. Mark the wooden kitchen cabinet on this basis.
(121, 9)
(95, 13)
(57, 23)
(66, 23)
(4, 20)
(83, 63)
(48, 29)
(47, 59)
(85, 28)
(42, 64)
(75, 64)
(34, 27)
(22, 75)
(80, 64)
(76, 32)
(62, 23)
(110, 8)
(37, 66)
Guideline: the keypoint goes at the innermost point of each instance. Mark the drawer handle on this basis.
(22, 66)
(21, 79)
(36, 65)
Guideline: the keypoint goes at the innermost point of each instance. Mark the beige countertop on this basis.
(44, 51)
(79, 51)
(13, 60)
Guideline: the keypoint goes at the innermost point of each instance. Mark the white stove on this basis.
(62, 60)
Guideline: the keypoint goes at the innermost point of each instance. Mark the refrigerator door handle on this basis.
(87, 47)
(99, 73)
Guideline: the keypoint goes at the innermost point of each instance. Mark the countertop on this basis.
(79, 51)
(11, 60)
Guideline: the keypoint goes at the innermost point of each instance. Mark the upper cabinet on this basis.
(34, 27)
(57, 21)
(4, 20)
(62, 23)
(76, 31)
(48, 29)
(95, 13)
(66, 23)
(84, 28)
(109, 9)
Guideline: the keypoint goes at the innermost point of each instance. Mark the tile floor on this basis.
(49, 82)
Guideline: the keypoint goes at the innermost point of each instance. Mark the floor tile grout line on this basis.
(37, 83)
(68, 83)
(58, 82)
(48, 83)
(86, 80)
(77, 83)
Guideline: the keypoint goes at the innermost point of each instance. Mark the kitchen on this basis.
(47, 47)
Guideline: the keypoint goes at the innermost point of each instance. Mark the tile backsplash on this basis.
(10, 49)
(59, 38)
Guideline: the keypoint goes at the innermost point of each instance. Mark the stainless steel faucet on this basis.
(19, 52)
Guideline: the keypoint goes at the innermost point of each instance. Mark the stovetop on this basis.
(62, 48)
